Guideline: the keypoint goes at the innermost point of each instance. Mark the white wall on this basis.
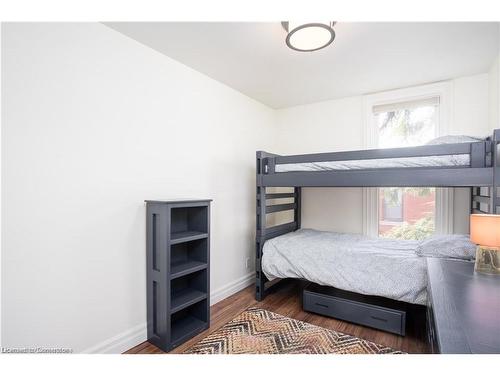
(494, 86)
(338, 125)
(93, 124)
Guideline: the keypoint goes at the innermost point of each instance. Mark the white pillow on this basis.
(454, 139)
(447, 246)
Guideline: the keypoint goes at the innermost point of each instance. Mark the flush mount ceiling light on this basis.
(308, 37)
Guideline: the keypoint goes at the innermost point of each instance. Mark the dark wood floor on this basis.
(285, 300)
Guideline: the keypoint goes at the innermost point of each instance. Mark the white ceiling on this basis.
(365, 57)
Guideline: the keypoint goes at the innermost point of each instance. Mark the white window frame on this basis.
(444, 196)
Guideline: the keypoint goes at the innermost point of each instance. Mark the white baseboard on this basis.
(231, 288)
(138, 334)
(121, 342)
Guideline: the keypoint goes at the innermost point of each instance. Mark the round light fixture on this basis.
(307, 37)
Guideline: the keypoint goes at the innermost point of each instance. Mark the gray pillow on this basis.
(447, 246)
(454, 139)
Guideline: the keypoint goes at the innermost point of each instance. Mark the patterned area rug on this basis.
(258, 331)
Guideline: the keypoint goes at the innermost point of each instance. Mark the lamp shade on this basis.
(485, 230)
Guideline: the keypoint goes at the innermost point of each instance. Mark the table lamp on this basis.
(485, 232)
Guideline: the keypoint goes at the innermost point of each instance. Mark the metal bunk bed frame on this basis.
(483, 172)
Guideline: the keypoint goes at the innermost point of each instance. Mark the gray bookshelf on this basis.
(178, 270)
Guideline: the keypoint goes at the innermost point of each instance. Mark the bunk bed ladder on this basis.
(263, 232)
(260, 278)
(260, 233)
(485, 199)
(495, 156)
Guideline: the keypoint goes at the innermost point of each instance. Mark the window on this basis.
(406, 213)
(406, 124)
(391, 206)
(404, 118)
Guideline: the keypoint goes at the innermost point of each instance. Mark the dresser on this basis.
(463, 312)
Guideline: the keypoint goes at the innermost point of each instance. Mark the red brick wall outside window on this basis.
(415, 207)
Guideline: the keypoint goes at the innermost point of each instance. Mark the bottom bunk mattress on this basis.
(371, 266)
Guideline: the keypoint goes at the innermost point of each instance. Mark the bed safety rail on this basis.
(477, 173)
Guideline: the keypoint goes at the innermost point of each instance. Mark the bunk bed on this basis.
(466, 164)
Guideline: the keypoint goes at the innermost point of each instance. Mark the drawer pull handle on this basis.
(377, 318)
(321, 305)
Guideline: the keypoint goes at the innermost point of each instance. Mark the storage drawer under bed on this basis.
(355, 311)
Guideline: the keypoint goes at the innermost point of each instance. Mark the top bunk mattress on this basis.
(459, 160)
(371, 266)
